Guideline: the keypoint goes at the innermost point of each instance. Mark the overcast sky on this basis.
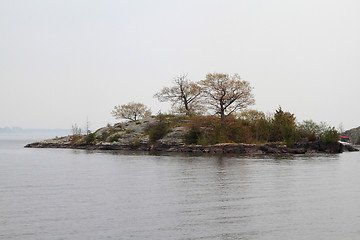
(67, 60)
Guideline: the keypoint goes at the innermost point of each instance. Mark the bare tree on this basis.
(76, 131)
(131, 111)
(87, 126)
(226, 94)
(184, 95)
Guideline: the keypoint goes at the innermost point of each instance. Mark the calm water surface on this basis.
(76, 194)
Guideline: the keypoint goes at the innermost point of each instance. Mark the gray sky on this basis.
(63, 61)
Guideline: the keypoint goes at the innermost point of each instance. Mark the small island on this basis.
(209, 116)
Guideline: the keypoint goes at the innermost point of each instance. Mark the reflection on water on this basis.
(78, 194)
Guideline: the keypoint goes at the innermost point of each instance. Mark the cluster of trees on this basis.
(219, 92)
(215, 109)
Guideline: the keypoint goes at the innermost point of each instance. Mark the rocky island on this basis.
(136, 135)
(211, 117)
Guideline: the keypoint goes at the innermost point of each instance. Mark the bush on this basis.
(158, 130)
(137, 142)
(203, 141)
(104, 136)
(75, 139)
(290, 135)
(283, 127)
(330, 135)
(114, 138)
(90, 138)
(193, 135)
(202, 130)
(309, 129)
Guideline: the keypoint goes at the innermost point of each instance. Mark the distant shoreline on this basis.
(34, 131)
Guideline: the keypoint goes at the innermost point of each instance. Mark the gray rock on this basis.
(353, 134)
(101, 131)
(61, 140)
(175, 137)
(141, 125)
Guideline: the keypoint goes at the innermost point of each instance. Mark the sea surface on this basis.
(78, 194)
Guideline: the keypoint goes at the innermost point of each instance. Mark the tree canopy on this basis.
(283, 127)
(184, 95)
(131, 111)
(226, 94)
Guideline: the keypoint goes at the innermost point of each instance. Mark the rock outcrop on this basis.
(353, 134)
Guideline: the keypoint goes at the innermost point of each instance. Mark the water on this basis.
(77, 194)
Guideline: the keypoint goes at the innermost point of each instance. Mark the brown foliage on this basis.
(211, 130)
(226, 94)
(131, 111)
(185, 96)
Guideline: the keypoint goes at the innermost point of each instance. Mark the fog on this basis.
(63, 62)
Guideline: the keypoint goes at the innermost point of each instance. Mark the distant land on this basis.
(35, 131)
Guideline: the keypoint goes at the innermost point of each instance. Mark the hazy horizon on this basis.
(63, 62)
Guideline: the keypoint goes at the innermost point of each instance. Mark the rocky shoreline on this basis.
(272, 148)
(129, 136)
